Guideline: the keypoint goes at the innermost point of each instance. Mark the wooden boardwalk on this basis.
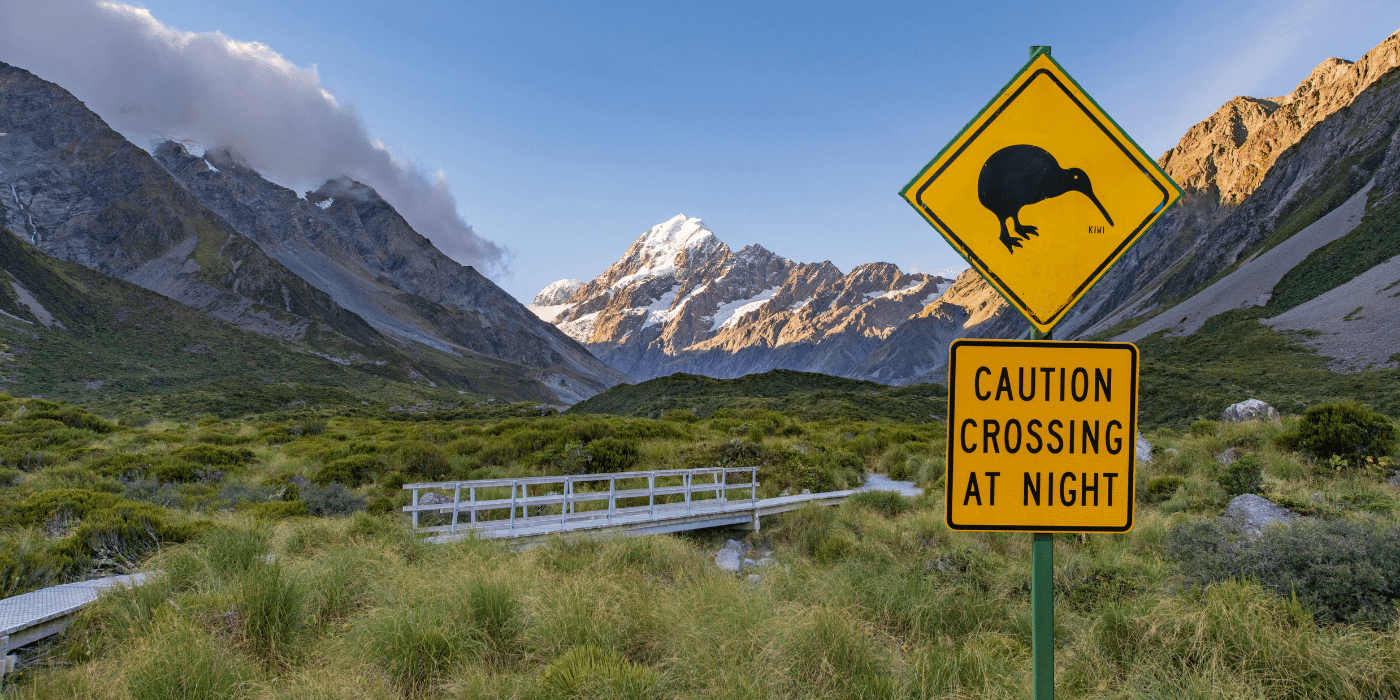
(633, 503)
(27, 618)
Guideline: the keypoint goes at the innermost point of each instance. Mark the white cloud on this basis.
(143, 77)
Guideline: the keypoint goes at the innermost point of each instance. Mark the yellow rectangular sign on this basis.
(1041, 436)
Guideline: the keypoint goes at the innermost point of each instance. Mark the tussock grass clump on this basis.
(184, 662)
(415, 646)
(271, 609)
(889, 503)
(590, 672)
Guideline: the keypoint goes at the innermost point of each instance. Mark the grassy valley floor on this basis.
(874, 599)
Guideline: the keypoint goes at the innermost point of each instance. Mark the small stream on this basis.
(880, 482)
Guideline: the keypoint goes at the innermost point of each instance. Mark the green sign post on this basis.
(1042, 192)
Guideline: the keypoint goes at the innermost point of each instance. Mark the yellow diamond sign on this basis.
(1042, 192)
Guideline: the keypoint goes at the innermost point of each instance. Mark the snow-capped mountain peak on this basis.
(680, 299)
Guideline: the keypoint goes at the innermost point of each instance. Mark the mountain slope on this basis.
(809, 395)
(78, 190)
(77, 334)
(1255, 173)
(348, 242)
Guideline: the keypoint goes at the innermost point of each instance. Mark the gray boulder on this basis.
(729, 560)
(1144, 449)
(754, 580)
(737, 546)
(434, 499)
(1229, 455)
(1253, 513)
(1252, 409)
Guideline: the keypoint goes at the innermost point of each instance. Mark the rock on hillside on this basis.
(680, 300)
(348, 242)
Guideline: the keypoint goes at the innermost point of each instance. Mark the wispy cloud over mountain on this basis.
(145, 78)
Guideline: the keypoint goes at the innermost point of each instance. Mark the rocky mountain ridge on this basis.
(1254, 173)
(681, 300)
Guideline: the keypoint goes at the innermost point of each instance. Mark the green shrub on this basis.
(1244, 475)
(613, 455)
(275, 510)
(115, 539)
(351, 471)
(587, 671)
(216, 455)
(381, 505)
(76, 503)
(1347, 430)
(71, 416)
(888, 503)
(9, 477)
(124, 465)
(1161, 488)
(1204, 428)
(424, 459)
(333, 500)
(679, 415)
(1342, 571)
(174, 469)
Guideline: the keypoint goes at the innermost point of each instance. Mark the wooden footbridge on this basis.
(626, 503)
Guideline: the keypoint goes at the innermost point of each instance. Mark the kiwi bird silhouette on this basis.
(1016, 176)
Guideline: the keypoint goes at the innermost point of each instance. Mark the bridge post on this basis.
(415, 509)
(564, 512)
(456, 500)
(688, 475)
(651, 495)
(512, 505)
(612, 497)
(473, 495)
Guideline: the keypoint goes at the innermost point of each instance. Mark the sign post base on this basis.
(1043, 614)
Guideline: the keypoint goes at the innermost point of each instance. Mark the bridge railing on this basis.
(559, 500)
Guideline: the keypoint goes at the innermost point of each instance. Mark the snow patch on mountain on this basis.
(581, 328)
(728, 314)
(660, 310)
(872, 296)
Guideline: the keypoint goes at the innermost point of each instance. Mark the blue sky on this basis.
(566, 129)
